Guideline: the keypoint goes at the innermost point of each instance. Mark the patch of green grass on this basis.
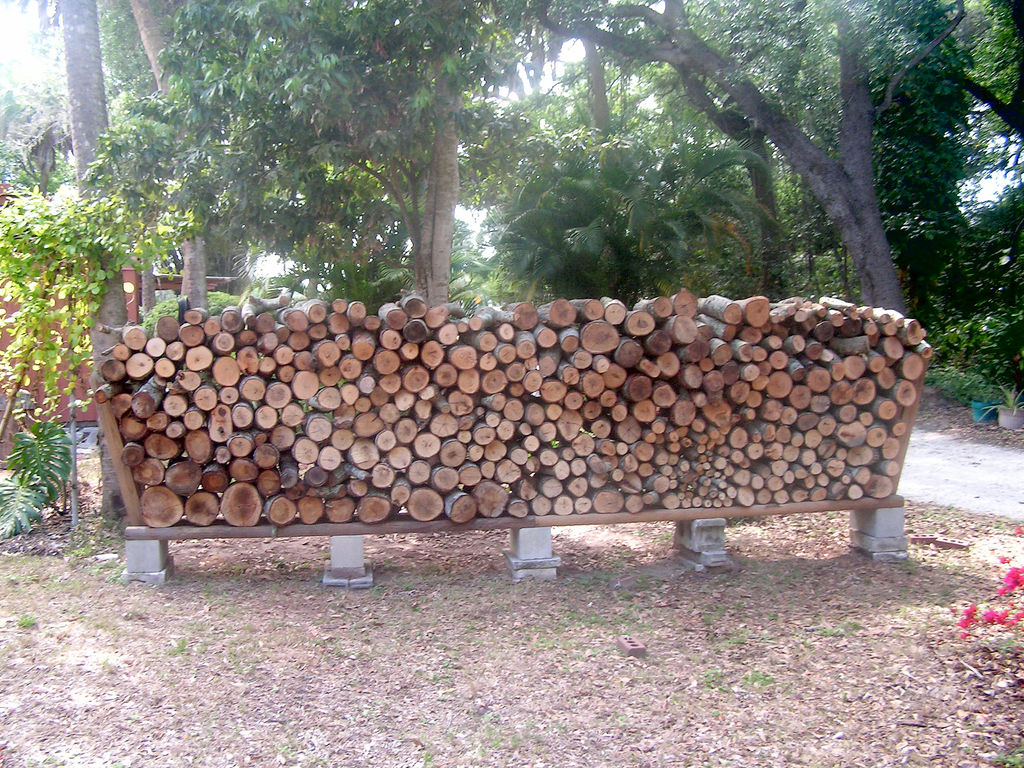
(715, 679)
(843, 629)
(759, 679)
(1014, 759)
(179, 647)
(25, 621)
(736, 639)
(713, 616)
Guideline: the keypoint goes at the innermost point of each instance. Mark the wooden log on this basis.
(374, 507)
(148, 472)
(132, 454)
(460, 507)
(524, 315)
(638, 323)
(756, 310)
(684, 303)
(148, 397)
(280, 510)
(202, 508)
(559, 313)
(161, 447)
(491, 498)
(599, 337)
(167, 328)
(659, 307)
(138, 367)
(215, 478)
(183, 477)
(161, 507)
(425, 504)
(721, 308)
(241, 504)
(608, 502)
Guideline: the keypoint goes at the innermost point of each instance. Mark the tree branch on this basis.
(924, 53)
(644, 12)
(390, 187)
(1009, 113)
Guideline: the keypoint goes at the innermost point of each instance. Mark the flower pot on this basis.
(1011, 418)
(983, 410)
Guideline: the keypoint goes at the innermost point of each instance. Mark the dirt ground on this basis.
(939, 414)
(804, 654)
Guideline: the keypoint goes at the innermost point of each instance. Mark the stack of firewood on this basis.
(321, 411)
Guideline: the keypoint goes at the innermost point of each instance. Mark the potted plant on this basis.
(984, 409)
(1002, 359)
(1011, 408)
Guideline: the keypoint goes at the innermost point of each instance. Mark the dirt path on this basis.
(949, 470)
(955, 462)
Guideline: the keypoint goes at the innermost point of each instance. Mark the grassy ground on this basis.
(804, 655)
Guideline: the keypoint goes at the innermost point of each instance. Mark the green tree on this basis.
(609, 217)
(921, 154)
(288, 103)
(731, 55)
(996, 38)
(33, 129)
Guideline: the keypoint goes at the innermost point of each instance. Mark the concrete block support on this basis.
(701, 543)
(530, 556)
(347, 568)
(878, 534)
(147, 561)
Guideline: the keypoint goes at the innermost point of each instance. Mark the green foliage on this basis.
(41, 458)
(1002, 354)
(611, 217)
(20, 507)
(34, 137)
(991, 346)
(306, 129)
(960, 385)
(921, 148)
(988, 277)
(56, 258)
(40, 462)
(1012, 398)
(217, 302)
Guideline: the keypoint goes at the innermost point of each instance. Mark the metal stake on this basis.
(73, 427)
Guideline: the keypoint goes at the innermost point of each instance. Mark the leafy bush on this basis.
(40, 463)
(989, 348)
(1002, 354)
(962, 386)
(217, 302)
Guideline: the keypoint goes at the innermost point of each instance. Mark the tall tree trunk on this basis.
(88, 108)
(148, 298)
(599, 110)
(193, 272)
(86, 95)
(153, 40)
(193, 276)
(433, 259)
